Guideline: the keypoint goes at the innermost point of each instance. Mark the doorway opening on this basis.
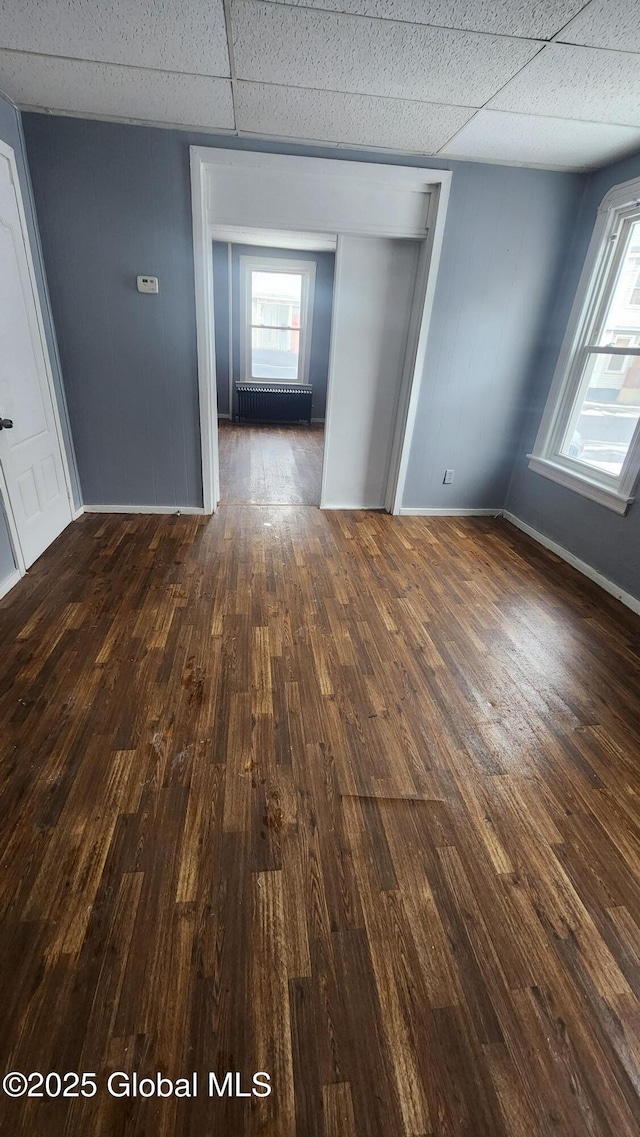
(386, 226)
(273, 301)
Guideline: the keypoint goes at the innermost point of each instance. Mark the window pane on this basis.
(617, 362)
(622, 317)
(275, 298)
(606, 414)
(274, 354)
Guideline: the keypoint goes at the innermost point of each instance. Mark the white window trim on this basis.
(613, 492)
(307, 270)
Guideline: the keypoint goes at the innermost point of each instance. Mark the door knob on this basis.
(6, 423)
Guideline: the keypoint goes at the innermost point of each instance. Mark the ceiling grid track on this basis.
(554, 85)
(232, 62)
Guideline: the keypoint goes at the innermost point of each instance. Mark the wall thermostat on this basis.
(147, 283)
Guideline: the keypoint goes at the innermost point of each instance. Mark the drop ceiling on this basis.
(552, 83)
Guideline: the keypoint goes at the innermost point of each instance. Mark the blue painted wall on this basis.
(11, 133)
(504, 247)
(595, 534)
(114, 200)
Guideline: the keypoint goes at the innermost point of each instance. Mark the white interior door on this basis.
(372, 305)
(30, 451)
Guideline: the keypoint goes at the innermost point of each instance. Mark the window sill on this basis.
(581, 484)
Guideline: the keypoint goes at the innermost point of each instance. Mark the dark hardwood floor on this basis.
(263, 464)
(350, 799)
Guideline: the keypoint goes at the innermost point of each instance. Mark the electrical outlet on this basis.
(448, 477)
(147, 283)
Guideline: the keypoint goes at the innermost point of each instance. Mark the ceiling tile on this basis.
(359, 120)
(497, 136)
(541, 19)
(274, 43)
(577, 82)
(188, 36)
(606, 23)
(121, 92)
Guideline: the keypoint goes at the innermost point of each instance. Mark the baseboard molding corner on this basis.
(197, 510)
(9, 582)
(587, 570)
(76, 513)
(428, 511)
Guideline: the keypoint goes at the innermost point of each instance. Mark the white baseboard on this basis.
(582, 566)
(174, 509)
(9, 582)
(427, 511)
(77, 513)
(357, 505)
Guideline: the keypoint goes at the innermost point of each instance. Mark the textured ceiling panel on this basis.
(577, 82)
(606, 23)
(538, 18)
(149, 33)
(401, 75)
(497, 136)
(121, 92)
(360, 120)
(297, 47)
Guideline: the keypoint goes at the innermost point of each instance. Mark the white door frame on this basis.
(322, 196)
(9, 153)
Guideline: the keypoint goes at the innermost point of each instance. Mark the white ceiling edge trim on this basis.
(365, 147)
(317, 143)
(91, 116)
(528, 165)
(426, 104)
(370, 148)
(300, 140)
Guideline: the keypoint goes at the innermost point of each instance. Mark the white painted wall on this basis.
(373, 292)
(275, 191)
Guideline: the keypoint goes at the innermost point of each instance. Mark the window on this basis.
(589, 439)
(276, 304)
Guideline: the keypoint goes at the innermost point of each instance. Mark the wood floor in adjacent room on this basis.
(350, 799)
(267, 464)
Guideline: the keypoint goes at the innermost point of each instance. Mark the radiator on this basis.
(273, 404)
